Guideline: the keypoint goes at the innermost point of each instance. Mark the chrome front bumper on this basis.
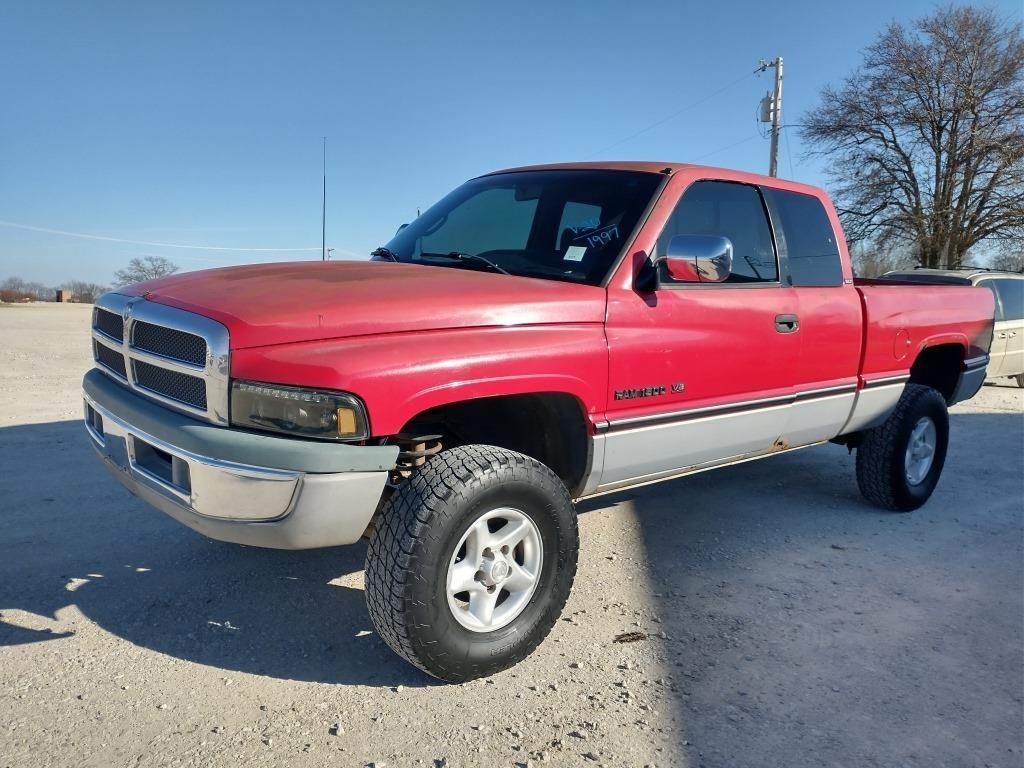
(228, 500)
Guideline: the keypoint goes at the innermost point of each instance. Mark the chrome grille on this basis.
(109, 323)
(167, 342)
(190, 390)
(177, 358)
(108, 358)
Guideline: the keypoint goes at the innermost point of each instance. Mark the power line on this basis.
(672, 116)
(85, 236)
(729, 146)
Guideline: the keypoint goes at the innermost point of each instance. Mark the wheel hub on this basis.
(497, 572)
(494, 570)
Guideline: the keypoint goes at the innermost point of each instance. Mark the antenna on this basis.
(323, 211)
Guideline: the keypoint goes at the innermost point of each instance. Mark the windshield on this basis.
(560, 224)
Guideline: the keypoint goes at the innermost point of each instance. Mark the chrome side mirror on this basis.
(698, 258)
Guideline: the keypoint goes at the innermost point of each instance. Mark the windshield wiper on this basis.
(458, 256)
(385, 253)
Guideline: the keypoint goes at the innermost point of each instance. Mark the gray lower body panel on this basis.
(192, 472)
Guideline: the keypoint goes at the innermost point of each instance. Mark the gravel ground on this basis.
(781, 621)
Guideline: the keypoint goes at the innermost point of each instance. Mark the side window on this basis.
(492, 220)
(730, 210)
(811, 250)
(1011, 296)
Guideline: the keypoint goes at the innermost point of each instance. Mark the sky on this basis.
(200, 124)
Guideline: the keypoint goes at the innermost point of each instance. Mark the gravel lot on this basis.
(784, 621)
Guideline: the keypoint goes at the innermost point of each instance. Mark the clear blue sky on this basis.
(199, 123)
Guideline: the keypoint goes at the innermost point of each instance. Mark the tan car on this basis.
(1006, 357)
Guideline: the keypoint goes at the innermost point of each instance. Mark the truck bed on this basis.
(902, 319)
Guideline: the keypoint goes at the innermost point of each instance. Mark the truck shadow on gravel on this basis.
(773, 582)
(73, 536)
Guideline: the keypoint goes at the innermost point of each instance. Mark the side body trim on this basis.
(641, 450)
(637, 422)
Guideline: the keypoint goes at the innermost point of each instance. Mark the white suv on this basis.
(1006, 357)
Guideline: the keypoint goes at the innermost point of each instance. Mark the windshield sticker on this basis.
(600, 237)
(575, 253)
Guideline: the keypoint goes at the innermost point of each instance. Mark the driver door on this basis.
(700, 373)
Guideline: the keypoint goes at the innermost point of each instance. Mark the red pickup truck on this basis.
(539, 336)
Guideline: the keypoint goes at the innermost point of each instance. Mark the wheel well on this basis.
(548, 426)
(939, 367)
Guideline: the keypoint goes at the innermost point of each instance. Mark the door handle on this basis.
(786, 323)
(1002, 335)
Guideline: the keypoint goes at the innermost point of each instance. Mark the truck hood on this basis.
(265, 304)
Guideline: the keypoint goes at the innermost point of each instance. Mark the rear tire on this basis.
(471, 562)
(899, 462)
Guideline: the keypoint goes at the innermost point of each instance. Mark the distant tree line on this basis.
(15, 289)
(873, 260)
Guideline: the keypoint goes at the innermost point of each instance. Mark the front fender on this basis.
(401, 375)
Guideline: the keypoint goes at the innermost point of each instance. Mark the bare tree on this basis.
(925, 141)
(144, 268)
(872, 261)
(1010, 258)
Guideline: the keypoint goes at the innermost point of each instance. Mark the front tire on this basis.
(471, 562)
(899, 462)
(1020, 380)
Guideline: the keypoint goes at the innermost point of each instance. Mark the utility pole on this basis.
(771, 112)
(323, 211)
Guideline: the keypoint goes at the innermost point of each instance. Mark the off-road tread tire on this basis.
(415, 517)
(880, 455)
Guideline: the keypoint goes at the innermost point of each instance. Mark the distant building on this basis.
(64, 296)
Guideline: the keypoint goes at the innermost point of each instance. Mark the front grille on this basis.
(109, 358)
(110, 324)
(182, 387)
(161, 352)
(169, 342)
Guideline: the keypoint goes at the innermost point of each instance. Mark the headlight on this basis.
(296, 411)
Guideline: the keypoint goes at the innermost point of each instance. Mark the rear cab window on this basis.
(806, 237)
